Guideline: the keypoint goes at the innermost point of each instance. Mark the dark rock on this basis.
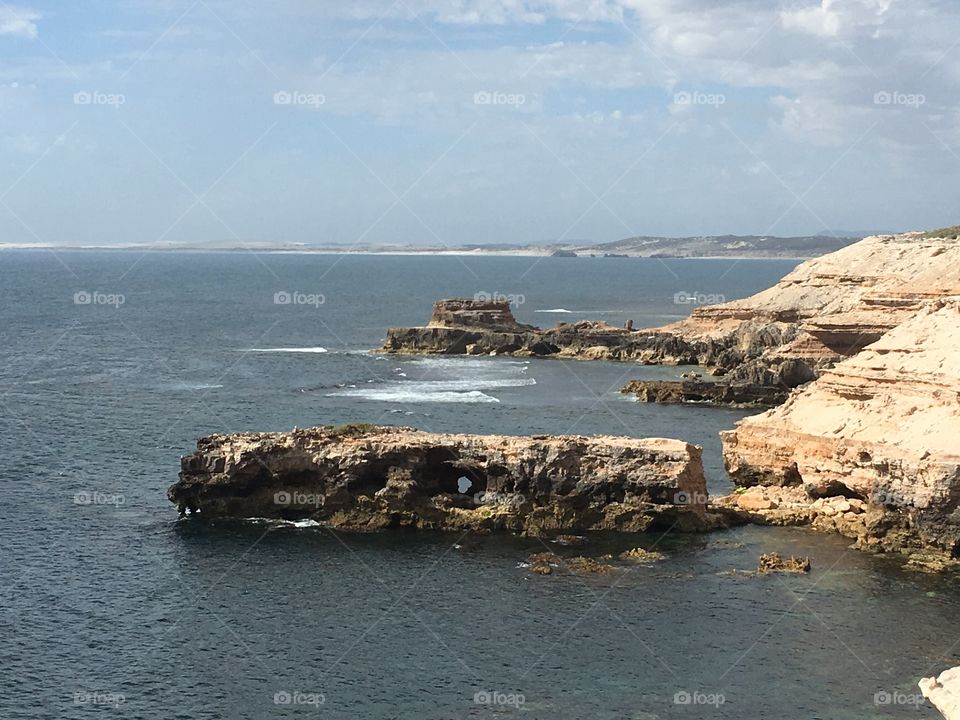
(373, 477)
(712, 393)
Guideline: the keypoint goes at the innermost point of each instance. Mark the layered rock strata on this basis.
(880, 431)
(373, 477)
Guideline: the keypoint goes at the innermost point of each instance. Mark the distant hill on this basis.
(759, 246)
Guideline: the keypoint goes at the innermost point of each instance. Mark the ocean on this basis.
(112, 365)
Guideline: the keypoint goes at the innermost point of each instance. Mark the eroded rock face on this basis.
(880, 428)
(374, 477)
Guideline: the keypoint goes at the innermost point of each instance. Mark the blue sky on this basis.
(464, 121)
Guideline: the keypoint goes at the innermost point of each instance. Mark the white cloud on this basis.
(18, 21)
(832, 17)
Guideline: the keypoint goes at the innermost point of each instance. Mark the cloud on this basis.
(18, 21)
(833, 17)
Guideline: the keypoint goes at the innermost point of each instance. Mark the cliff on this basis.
(372, 477)
(880, 427)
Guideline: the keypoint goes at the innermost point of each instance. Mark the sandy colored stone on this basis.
(755, 501)
(882, 424)
(944, 692)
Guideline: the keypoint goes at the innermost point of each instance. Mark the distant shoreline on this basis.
(395, 253)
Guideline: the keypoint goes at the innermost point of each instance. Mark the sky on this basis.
(449, 122)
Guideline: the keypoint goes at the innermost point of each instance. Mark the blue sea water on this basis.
(112, 365)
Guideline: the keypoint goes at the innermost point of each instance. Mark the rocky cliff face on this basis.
(881, 427)
(372, 477)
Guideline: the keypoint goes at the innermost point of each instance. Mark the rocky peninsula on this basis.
(763, 346)
(368, 477)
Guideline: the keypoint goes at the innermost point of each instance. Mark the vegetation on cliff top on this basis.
(947, 232)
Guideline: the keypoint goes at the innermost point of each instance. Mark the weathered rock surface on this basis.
(772, 562)
(944, 692)
(713, 393)
(372, 477)
(872, 443)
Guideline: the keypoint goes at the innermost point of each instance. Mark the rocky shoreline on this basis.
(738, 395)
(826, 310)
(857, 348)
(856, 351)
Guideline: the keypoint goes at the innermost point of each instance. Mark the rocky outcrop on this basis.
(373, 477)
(491, 315)
(742, 395)
(458, 326)
(944, 692)
(827, 309)
(880, 430)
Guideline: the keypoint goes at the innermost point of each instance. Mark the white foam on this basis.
(407, 394)
(287, 350)
(196, 386)
(462, 385)
(466, 363)
(305, 523)
(555, 310)
(308, 523)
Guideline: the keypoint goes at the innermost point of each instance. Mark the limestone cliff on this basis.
(371, 477)
(882, 427)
